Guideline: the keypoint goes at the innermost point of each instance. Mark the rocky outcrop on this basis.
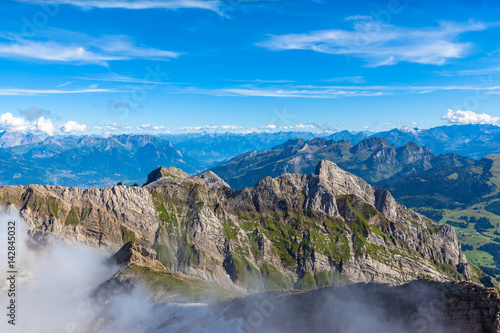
(105, 218)
(164, 172)
(293, 231)
(133, 253)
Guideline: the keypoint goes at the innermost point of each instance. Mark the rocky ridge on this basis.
(372, 159)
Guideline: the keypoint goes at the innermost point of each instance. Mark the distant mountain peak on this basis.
(163, 172)
(211, 179)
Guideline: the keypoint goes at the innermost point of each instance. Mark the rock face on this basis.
(136, 254)
(106, 218)
(293, 231)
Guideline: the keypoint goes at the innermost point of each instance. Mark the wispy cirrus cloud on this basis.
(212, 5)
(76, 48)
(309, 92)
(332, 91)
(383, 44)
(35, 92)
(472, 72)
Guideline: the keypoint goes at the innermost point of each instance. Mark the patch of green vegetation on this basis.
(307, 282)
(173, 287)
(493, 272)
(189, 255)
(493, 207)
(494, 250)
(242, 271)
(230, 230)
(254, 238)
(165, 255)
(72, 218)
(451, 271)
(54, 207)
(286, 259)
(127, 235)
(324, 279)
(274, 279)
(168, 174)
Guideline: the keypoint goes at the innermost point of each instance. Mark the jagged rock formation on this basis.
(293, 231)
(134, 253)
(139, 267)
(106, 218)
(164, 172)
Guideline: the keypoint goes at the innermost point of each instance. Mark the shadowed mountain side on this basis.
(372, 159)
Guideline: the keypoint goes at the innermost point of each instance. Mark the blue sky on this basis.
(95, 66)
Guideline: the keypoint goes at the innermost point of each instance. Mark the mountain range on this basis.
(293, 231)
(88, 161)
(475, 141)
(97, 161)
(372, 159)
(193, 239)
(452, 189)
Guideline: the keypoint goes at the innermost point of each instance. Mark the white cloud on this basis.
(115, 126)
(268, 127)
(133, 4)
(76, 48)
(199, 128)
(160, 128)
(470, 117)
(300, 127)
(230, 127)
(383, 44)
(73, 127)
(9, 122)
(44, 126)
(40, 125)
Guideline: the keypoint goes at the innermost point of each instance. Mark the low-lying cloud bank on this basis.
(55, 290)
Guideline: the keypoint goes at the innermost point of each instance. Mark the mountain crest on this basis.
(369, 144)
(211, 179)
(163, 172)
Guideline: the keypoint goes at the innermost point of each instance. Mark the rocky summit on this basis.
(290, 232)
